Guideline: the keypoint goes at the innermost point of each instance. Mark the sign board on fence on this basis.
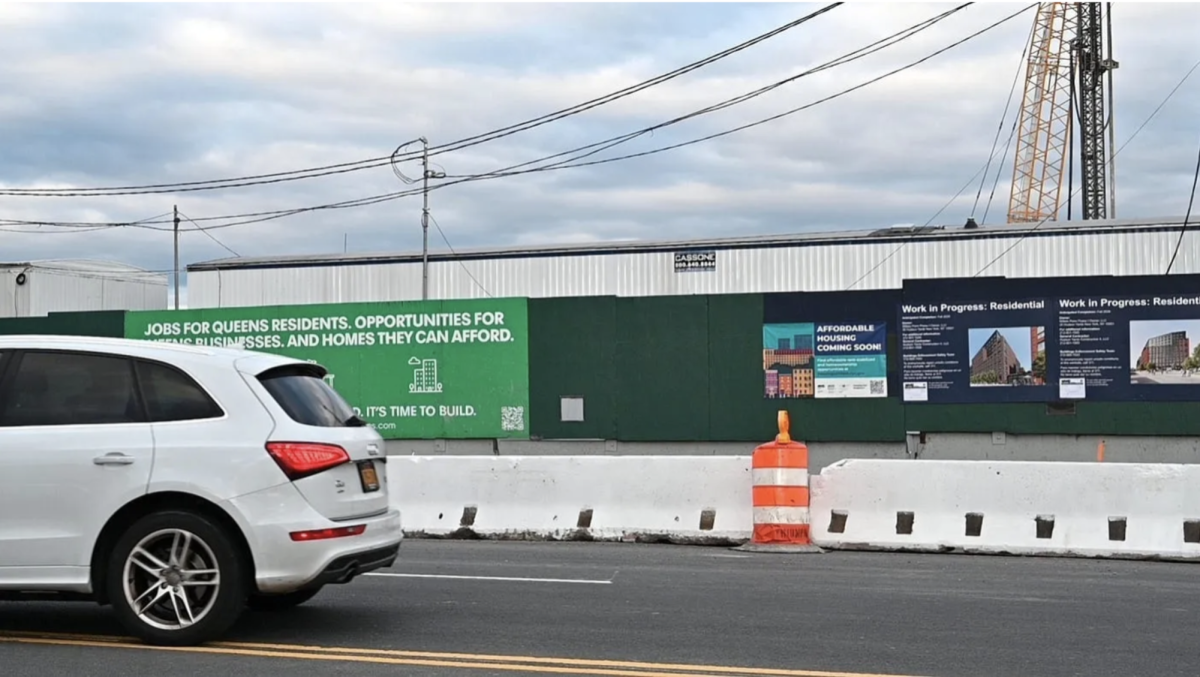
(825, 360)
(414, 369)
(985, 351)
(1120, 348)
(1129, 348)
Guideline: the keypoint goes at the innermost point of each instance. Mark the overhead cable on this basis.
(370, 163)
(250, 218)
(1188, 215)
(246, 219)
(1029, 231)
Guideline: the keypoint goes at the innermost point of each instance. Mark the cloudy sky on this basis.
(98, 95)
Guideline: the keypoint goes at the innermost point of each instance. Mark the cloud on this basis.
(148, 94)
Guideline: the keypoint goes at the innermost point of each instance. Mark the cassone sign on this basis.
(414, 369)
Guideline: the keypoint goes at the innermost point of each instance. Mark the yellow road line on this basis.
(527, 664)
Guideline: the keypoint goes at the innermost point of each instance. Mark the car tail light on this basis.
(302, 459)
(323, 534)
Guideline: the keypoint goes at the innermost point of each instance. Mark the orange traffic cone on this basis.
(781, 498)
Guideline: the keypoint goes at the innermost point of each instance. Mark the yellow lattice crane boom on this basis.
(1044, 127)
(1064, 84)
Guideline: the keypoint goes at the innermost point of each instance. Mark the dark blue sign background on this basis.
(975, 351)
(1139, 343)
(996, 340)
(829, 308)
(1131, 348)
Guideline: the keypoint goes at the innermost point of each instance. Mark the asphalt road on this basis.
(521, 609)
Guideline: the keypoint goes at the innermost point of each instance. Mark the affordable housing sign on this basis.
(412, 369)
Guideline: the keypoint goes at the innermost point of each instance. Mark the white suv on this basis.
(181, 484)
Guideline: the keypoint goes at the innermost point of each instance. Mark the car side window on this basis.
(172, 395)
(52, 388)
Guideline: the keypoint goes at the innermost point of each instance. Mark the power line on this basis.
(777, 116)
(1012, 133)
(460, 261)
(857, 54)
(438, 150)
(573, 162)
(212, 237)
(258, 217)
(1142, 126)
(600, 146)
(515, 170)
(1145, 122)
(1188, 215)
(251, 218)
(79, 226)
(1004, 116)
(314, 172)
(982, 170)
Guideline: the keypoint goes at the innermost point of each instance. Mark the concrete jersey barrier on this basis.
(680, 499)
(1074, 509)
(1114, 510)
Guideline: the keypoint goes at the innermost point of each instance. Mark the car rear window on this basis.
(172, 395)
(307, 398)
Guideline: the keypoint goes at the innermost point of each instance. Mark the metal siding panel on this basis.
(54, 291)
(813, 268)
(13, 298)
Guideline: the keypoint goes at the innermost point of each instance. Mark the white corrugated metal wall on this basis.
(57, 292)
(800, 268)
(14, 298)
(68, 286)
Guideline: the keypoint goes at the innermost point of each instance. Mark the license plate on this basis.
(368, 475)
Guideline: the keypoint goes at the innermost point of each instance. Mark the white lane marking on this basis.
(577, 581)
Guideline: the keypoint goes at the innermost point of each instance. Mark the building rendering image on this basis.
(1165, 351)
(995, 363)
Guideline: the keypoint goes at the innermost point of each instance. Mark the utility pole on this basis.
(176, 210)
(424, 219)
(426, 175)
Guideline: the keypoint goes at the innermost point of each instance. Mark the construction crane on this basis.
(1064, 84)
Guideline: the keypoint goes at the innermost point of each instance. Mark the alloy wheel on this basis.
(171, 579)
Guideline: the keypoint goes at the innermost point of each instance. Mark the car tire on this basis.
(282, 602)
(135, 577)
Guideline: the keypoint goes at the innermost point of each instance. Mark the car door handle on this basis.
(113, 459)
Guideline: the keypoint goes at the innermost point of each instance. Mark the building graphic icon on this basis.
(425, 376)
(772, 383)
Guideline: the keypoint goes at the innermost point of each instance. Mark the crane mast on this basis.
(1092, 65)
(1064, 78)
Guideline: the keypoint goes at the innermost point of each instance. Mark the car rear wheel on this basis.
(281, 602)
(176, 578)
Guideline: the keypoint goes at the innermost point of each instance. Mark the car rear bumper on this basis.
(283, 565)
(345, 568)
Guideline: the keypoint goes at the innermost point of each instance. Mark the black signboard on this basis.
(686, 262)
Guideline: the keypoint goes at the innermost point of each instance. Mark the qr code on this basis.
(512, 418)
(877, 386)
